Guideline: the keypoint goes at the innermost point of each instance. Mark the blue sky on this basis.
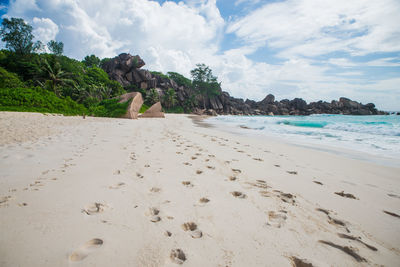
(294, 48)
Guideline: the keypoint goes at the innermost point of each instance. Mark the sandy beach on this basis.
(164, 192)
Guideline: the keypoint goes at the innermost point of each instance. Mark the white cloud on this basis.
(44, 29)
(176, 36)
(313, 27)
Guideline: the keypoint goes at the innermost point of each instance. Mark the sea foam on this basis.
(376, 135)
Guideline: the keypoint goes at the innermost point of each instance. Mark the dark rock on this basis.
(125, 69)
(269, 99)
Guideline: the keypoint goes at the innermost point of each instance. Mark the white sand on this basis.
(77, 191)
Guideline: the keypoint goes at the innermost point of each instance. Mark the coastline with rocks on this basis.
(127, 70)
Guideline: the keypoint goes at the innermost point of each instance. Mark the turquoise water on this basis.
(376, 135)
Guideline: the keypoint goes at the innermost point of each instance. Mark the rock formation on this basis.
(135, 105)
(125, 69)
(155, 111)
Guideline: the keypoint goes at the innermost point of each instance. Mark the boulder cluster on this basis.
(126, 69)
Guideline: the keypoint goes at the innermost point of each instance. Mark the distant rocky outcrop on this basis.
(155, 111)
(126, 69)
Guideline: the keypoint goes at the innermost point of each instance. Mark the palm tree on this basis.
(54, 76)
(170, 98)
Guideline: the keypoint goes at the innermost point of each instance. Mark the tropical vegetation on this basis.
(38, 77)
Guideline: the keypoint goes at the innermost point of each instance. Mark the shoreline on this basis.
(349, 153)
(254, 202)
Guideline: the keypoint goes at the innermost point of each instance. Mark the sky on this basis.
(312, 49)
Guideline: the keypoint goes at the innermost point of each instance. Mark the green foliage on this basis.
(54, 77)
(169, 99)
(180, 79)
(109, 108)
(57, 48)
(176, 109)
(152, 97)
(37, 99)
(91, 61)
(160, 74)
(143, 108)
(68, 77)
(9, 79)
(205, 82)
(17, 35)
(189, 103)
(104, 61)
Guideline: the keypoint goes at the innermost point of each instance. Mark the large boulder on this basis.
(135, 105)
(269, 99)
(155, 111)
(124, 68)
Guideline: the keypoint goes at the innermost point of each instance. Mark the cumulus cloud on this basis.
(175, 36)
(313, 27)
(44, 29)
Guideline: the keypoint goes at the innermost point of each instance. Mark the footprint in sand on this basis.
(4, 200)
(199, 172)
(155, 189)
(287, 197)
(317, 182)
(204, 200)
(236, 170)
(192, 227)
(94, 208)
(276, 219)
(139, 175)
(187, 183)
(292, 172)
(238, 194)
(36, 183)
(167, 233)
(187, 164)
(83, 251)
(259, 183)
(153, 213)
(211, 167)
(297, 262)
(347, 195)
(232, 178)
(116, 186)
(177, 256)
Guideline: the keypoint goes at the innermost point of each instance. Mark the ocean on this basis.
(366, 135)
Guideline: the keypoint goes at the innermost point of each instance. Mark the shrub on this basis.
(36, 99)
(9, 79)
(176, 109)
(143, 108)
(109, 108)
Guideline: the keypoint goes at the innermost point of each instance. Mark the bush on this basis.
(160, 74)
(176, 109)
(109, 108)
(36, 99)
(143, 108)
(9, 79)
